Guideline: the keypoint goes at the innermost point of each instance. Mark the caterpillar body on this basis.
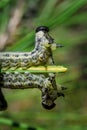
(16, 80)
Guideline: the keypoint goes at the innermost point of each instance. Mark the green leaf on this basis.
(25, 42)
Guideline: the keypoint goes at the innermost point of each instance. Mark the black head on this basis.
(42, 28)
(49, 107)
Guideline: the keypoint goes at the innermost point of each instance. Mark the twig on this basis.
(39, 69)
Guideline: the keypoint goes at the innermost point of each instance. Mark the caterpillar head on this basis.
(42, 28)
(42, 36)
(48, 98)
(49, 107)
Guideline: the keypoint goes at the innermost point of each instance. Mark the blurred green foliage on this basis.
(3, 3)
(67, 20)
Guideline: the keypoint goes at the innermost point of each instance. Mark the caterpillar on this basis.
(41, 55)
(26, 80)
